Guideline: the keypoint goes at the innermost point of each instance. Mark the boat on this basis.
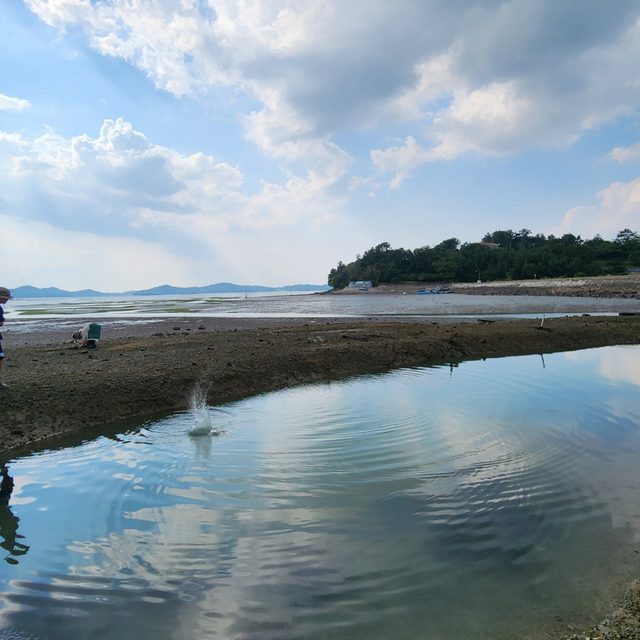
(422, 292)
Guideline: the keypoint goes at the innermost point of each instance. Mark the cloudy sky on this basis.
(259, 141)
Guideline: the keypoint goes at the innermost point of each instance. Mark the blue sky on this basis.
(195, 141)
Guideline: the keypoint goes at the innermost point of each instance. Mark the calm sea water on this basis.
(496, 499)
(303, 305)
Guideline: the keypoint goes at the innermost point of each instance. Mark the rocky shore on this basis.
(627, 286)
(622, 624)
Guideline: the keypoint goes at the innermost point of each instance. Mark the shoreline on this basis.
(621, 286)
(144, 368)
(149, 368)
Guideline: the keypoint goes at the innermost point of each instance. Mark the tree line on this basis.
(501, 255)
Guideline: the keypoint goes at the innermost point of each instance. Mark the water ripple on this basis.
(359, 509)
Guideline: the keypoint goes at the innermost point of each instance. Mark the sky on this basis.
(189, 142)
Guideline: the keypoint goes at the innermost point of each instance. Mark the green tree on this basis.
(339, 277)
(518, 255)
(625, 236)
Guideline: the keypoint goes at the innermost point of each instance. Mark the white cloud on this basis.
(42, 254)
(32, 251)
(399, 160)
(7, 103)
(118, 171)
(617, 364)
(324, 80)
(192, 207)
(626, 154)
(491, 121)
(621, 366)
(123, 176)
(618, 208)
(487, 77)
(435, 81)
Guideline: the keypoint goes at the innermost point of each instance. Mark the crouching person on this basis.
(88, 336)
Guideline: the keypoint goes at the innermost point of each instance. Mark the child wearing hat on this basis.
(5, 294)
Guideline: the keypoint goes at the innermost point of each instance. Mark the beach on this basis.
(142, 369)
(147, 368)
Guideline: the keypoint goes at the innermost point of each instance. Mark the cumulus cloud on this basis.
(8, 103)
(121, 181)
(192, 207)
(491, 77)
(520, 79)
(618, 208)
(399, 160)
(486, 77)
(112, 181)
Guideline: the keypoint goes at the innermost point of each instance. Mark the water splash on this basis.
(200, 412)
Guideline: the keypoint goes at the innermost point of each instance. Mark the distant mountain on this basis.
(226, 287)
(52, 292)
(28, 291)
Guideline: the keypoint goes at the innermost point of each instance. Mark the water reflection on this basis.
(615, 364)
(370, 508)
(8, 521)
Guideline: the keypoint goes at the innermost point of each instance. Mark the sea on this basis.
(23, 312)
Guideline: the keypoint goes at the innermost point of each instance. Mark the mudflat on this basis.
(147, 368)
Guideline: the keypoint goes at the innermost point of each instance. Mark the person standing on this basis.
(5, 294)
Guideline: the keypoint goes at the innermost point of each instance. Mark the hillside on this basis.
(501, 255)
(29, 291)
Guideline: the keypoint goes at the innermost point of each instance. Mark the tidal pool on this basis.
(496, 499)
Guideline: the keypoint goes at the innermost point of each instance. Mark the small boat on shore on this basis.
(422, 292)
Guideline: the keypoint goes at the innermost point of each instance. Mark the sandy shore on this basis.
(142, 369)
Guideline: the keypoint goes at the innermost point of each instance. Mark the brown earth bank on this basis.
(146, 368)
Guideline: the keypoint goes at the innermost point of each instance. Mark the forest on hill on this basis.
(501, 255)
